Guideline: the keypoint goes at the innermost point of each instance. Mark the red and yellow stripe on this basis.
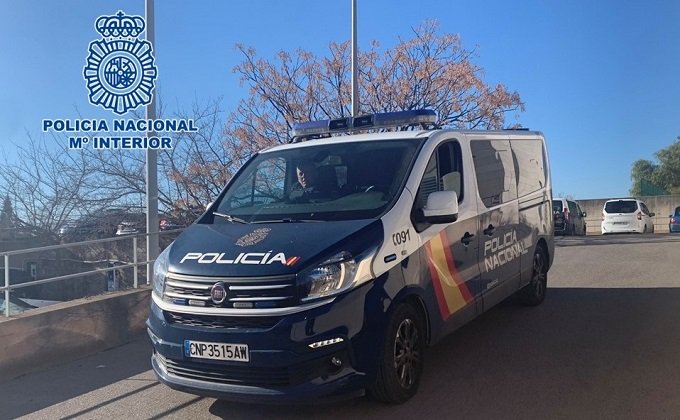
(451, 291)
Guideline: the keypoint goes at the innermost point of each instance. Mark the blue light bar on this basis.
(324, 128)
(394, 119)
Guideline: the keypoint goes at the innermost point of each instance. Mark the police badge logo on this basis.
(120, 70)
(254, 237)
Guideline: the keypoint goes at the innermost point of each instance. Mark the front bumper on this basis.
(282, 367)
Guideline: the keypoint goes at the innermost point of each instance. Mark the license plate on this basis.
(216, 351)
(620, 223)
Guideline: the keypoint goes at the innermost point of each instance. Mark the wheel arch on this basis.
(543, 244)
(414, 296)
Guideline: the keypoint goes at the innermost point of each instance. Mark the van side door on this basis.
(450, 251)
(499, 248)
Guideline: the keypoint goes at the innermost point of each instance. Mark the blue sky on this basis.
(600, 79)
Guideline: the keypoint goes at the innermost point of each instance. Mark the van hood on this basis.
(267, 249)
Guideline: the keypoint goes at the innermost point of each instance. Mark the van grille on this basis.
(216, 322)
(242, 292)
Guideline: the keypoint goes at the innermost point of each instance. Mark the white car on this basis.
(626, 215)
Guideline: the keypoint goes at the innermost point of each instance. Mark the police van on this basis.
(287, 291)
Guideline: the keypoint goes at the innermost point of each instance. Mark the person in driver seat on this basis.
(314, 183)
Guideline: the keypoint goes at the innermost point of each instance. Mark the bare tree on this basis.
(47, 185)
(426, 71)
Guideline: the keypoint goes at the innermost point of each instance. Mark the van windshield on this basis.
(621, 206)
(342, 181)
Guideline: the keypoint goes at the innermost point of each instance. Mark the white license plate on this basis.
(216, 351)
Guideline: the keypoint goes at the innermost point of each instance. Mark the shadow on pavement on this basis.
(584, 353)
(35, 391)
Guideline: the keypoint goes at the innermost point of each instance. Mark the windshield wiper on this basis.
(289, 220)
(230, 218)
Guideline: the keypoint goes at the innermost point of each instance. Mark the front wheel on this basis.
(401, 364)
(534, 293)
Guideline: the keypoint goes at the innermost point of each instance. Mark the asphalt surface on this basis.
(604, 345)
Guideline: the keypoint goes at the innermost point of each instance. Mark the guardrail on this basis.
(135, 264)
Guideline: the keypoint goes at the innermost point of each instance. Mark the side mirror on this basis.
(584, 214)
(652, 214)
(442, 207)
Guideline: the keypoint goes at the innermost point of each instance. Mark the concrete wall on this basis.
(67, 331)
(662, 206)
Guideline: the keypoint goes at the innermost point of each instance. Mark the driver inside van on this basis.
(313, 183)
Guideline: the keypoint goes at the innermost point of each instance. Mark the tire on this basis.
(401, 363)
(534, 293)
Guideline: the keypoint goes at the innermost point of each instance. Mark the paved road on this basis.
(605, 344)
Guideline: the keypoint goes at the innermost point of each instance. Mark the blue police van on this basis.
(328, 265)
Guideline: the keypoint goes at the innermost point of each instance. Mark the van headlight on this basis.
(337, 274)
(160, 270)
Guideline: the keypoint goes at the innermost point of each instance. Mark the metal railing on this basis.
(135, 264)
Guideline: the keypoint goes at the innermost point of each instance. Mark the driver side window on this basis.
(444, 172)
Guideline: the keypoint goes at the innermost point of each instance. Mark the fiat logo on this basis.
(218, 293)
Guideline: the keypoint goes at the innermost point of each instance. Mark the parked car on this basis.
(568, 217)
(626, 215)
(132, 223)
(674, 222)
(169, 223)
(136, 223)
(102, 224)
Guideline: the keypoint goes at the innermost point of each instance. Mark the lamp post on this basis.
(355, 63)
(152, 248)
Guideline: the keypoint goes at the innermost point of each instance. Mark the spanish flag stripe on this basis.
(452, 267)
(453, 297)
(436, 283)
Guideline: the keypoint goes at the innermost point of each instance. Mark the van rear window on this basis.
(621, 206)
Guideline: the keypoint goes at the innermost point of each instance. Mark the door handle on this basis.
(489, 231)
(467, 238)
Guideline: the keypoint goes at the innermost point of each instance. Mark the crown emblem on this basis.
(120, 71)
(120, 26)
